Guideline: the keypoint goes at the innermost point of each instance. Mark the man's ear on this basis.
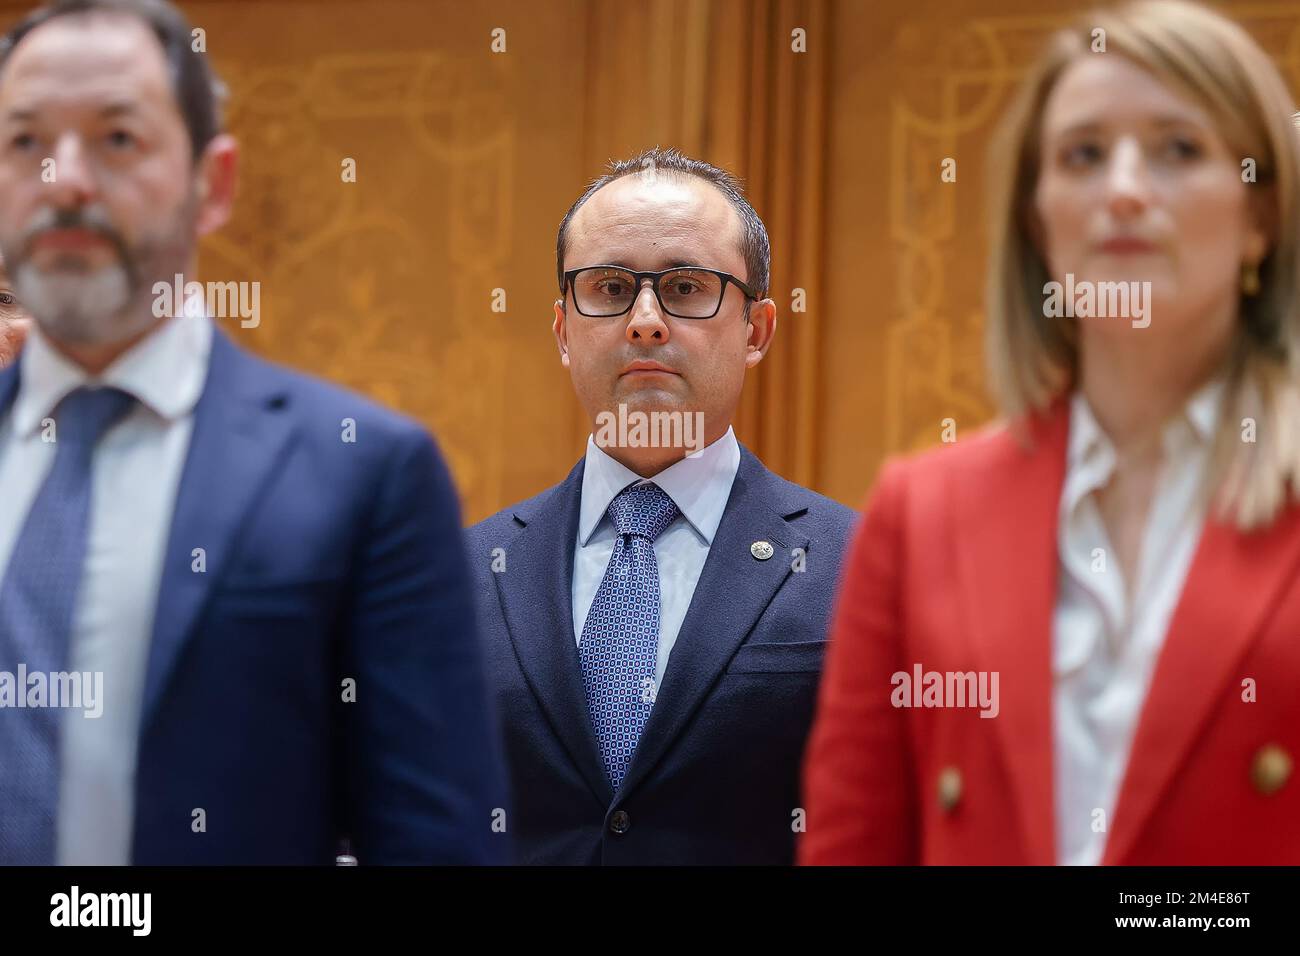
(218, 174)
(759, 332)
(561, 332)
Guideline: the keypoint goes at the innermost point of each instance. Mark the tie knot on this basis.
(643, 510)
(85, 414)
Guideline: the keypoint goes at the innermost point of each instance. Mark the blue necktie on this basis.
(37, 599)
(620, 639)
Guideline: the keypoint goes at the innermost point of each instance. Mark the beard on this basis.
(79, 304)
(81, 308)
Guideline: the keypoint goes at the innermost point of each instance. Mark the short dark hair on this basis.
(198, 91)
(754, 245)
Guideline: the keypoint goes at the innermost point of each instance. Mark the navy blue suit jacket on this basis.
(325, 560)
(715, 776)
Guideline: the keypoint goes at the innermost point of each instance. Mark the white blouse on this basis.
(1103, 648)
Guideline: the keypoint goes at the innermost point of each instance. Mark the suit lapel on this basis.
(733, 590)
(1208, 636)
(239, 436)
(1006, 541)
(537, 599)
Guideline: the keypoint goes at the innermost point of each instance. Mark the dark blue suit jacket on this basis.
(715, 777)
(325, 560)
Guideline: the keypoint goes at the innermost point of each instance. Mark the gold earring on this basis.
(1250, 278)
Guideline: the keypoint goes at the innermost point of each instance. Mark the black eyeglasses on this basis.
(686, 292)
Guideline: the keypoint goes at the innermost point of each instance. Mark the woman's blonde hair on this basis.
(1033, 360)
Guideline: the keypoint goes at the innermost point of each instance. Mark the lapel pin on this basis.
(761, 550)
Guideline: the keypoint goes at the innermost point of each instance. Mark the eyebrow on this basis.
(677, 263)
(1161, 122)
(119, 108)
(109, 111)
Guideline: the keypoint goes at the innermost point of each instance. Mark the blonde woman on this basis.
(1075, 637)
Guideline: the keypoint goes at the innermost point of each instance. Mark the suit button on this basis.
(1270, 769)
(949, 789)
(620, 822)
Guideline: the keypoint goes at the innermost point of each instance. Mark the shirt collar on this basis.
(1203, 409)
(699, 485)
(1089, 443)
(1086, 439)
(164, 371)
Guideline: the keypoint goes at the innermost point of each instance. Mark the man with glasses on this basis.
(14, 321)
(656, 623)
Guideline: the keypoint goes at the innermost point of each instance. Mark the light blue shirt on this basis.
(134, 481)
(699, 486)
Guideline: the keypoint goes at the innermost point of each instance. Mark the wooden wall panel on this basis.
(467, 159)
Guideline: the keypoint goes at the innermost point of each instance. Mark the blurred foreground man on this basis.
(227, 633)
(656, 622)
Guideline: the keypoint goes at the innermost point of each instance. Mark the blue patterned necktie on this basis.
(620, 639)
(37, 600)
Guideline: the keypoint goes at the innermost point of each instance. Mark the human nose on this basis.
(73, 182)
(647, 322)
(1128, 190)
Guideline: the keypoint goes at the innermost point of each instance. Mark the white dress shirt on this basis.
(1104, 648)
(135, 475)
(699, 486)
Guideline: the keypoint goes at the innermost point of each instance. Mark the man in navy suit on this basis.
(234, 613)
(656, 623)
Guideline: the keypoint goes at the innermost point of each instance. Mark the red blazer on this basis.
(954, 567)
